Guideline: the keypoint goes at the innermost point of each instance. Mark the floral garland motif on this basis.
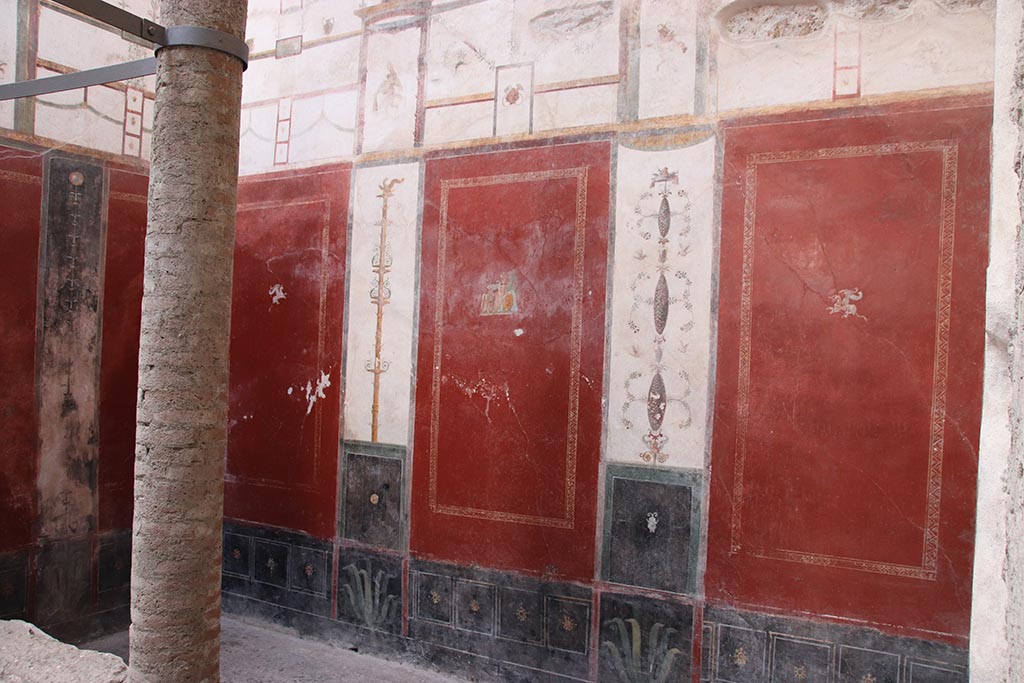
(662, 301)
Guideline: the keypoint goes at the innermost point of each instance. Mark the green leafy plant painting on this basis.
(368, 595)
(630, 661)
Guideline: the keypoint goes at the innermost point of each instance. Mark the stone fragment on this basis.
(28, 655)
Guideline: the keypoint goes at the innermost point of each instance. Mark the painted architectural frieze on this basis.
(301, 90)
(770, 54)
(382, 283)
(501, 67)
(660, 329)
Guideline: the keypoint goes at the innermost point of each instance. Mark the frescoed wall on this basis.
(286, 350)
(848, 369)
(610, 340)
(22, 180)
(508, 386)
(75, 227)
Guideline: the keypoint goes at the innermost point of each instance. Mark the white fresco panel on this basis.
(392, 77)
(68, 41)
(465, 45)
(394, 250)
(568, 39)
(513, 99)
(8, 54)
(96, 123)
(663, 254)
(575, 107)
(459, 122)
(322, 127)
(317, 69)
(668, 58)
(783, 71)
(256, 149)
(931, 48)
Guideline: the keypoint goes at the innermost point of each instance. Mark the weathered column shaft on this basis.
(1013, 572)
(997, 620)
(183, 355)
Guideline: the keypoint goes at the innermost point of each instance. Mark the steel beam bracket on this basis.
(197, 36)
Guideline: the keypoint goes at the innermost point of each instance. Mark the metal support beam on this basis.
(79, 79)
(112, 16)
(135, 26)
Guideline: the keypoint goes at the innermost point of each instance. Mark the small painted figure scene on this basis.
(500, 298)
(610, 341)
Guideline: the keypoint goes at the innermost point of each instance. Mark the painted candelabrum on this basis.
(380, 295)
(663, 231)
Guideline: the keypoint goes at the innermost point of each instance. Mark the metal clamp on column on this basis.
(197, 36)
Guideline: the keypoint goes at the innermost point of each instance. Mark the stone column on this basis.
(183, 354)
(997, 623)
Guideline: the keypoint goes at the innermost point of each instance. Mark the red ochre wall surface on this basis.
(63, 564)
(847, 391)
(21, 188)
(511, 349)
(848, 397)
(286, 323)
(119, 366)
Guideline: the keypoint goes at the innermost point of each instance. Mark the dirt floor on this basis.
(257, 653)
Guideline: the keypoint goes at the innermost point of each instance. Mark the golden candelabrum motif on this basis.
(380, 295)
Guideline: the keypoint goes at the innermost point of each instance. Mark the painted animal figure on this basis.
(842, 302)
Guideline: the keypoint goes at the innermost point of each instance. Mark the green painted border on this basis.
(691, 478)
(379, 450)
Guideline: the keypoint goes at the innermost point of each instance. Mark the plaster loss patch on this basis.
(770, 22)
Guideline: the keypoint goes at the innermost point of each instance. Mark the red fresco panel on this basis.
(286, 321)
(21, 188)
(848, 392)
(511, 349)
(119, 366)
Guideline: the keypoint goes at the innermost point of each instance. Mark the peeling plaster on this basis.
(770, 22)
(573, 19)
(745, 21)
